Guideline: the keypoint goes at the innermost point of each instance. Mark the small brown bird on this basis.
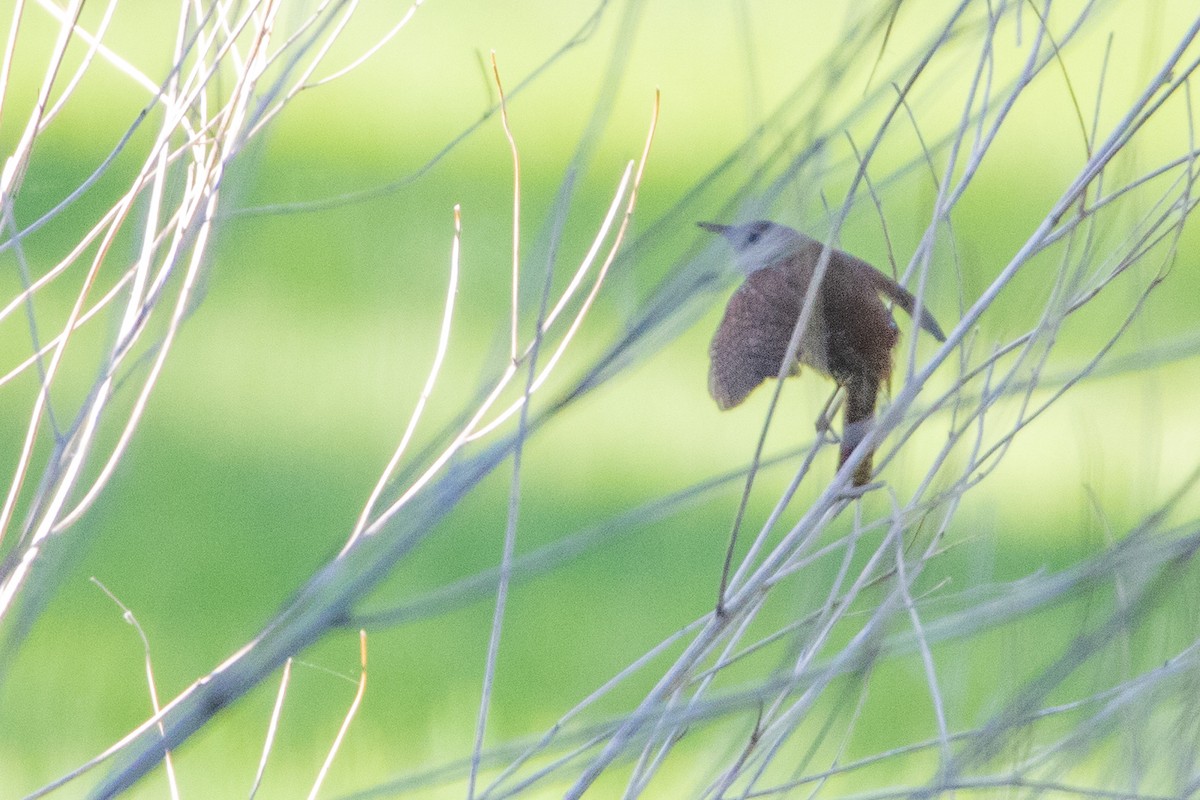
(849, 336)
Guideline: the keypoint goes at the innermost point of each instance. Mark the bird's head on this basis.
(758, 244)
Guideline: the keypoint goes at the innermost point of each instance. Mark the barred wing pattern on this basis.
(753, 337)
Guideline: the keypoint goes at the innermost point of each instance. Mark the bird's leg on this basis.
(825, 418)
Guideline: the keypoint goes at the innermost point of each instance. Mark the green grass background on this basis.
(291, 384)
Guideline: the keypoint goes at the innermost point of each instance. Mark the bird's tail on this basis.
(905, 300)
(860, 413)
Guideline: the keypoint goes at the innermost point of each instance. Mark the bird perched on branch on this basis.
(849, 335)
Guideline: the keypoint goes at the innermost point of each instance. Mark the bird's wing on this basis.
(753, 337)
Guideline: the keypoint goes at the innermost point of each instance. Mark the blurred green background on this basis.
(292, 381)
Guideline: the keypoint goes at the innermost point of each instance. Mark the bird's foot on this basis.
(855, 492)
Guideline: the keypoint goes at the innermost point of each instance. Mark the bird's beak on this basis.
(715, 227)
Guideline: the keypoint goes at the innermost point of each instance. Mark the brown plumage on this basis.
(849, 336)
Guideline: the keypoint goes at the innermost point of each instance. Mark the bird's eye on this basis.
(754, 236)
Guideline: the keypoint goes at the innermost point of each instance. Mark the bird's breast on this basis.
(814, 347)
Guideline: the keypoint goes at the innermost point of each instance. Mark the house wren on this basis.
(849, 336)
